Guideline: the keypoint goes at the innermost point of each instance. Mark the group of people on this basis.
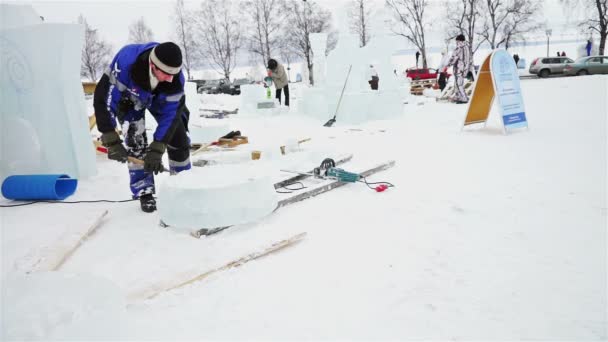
(149, 76)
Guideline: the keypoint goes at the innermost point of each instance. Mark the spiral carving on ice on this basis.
(15, 66)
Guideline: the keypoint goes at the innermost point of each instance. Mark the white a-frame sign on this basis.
(497, 77)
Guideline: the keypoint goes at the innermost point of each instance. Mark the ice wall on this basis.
(43, 119)
(359, 103)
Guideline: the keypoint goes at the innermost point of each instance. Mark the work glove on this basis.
(123, 107)
(153, 160)
(116, 150)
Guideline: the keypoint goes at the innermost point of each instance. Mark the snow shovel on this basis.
(333, 120)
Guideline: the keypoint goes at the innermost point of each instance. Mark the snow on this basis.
(484, 236)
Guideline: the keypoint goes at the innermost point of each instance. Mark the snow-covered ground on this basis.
(485, 236)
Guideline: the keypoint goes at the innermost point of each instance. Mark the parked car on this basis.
(588, 66)
(421, 73)
(236, 85)
(545, 66)
(210, 87)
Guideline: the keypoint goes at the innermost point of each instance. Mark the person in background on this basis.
(373, 78)
(144, 76)
(461, 63)
(588, 47)
(417, 57)
(279, 78)
(442, 69)
(516, 59)
(563, 54)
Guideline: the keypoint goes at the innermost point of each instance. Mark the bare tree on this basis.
(305, 17)
(360, 20)
(507, 20)
(95, 52)
(184, 24)
(462, 18)
(139, 32)
(265, 26)
(219, 32)
(522, 20)
(409, 14)
(596, 18)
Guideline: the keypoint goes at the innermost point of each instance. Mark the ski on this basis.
(302, 196)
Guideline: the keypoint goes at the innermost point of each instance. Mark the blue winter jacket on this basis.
(128, 76)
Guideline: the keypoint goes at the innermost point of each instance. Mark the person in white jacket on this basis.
(461, 63)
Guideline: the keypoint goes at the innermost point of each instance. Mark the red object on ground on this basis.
(381, 187)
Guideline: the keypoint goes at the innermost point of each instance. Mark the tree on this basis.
(305, 17)
(360, 20)
(184, 28)
(139, 32)
(95, 55)
(409, 14)
(596, 18)
(521, 21)
(507, 20)
(265, 24)
(219, 32)
(462, 19)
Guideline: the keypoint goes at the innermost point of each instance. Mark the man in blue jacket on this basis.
(144, 76)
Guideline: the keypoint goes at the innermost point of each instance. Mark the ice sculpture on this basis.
(216, 196)
(359, 103)
(43, 119)
(255, 101)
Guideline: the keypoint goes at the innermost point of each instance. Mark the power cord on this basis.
(67, 202)
(380, 186)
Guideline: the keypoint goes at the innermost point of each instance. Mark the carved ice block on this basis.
(217, 196)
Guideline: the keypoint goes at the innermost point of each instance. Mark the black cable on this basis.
(290, 190)
(389, 185)
(66, 202)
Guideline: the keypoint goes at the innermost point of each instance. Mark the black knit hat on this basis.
(460, 37)
(272, 64)
(167, 57)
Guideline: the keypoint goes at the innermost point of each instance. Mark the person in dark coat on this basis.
(588, 47)
(144, 76)
(417, 57)
(516, 59)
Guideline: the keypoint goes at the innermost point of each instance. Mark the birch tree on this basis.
(139, 32)
(306, 17)
(360, 20)
(507, 20)
(184, 30)
(411, 22)
(96, 52)
(462, 18)
(595, 20)
(219, 32)
(265, 27)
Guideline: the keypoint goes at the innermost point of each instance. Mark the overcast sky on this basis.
(112, 18)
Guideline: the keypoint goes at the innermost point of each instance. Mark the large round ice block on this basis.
(216, 196)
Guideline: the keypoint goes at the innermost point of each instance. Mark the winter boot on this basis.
(148, 203)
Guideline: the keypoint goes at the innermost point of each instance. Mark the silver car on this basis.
(588, 66)
(545, 66)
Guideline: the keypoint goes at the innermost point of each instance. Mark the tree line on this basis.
(214, 34)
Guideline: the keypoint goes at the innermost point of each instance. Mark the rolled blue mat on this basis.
(38, 187)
